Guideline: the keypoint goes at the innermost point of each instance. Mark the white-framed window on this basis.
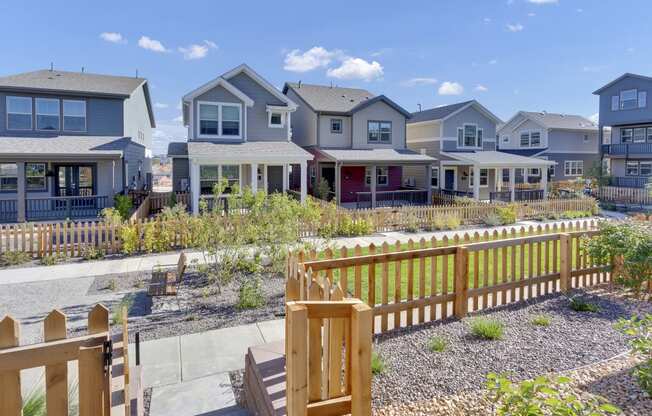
(631, 168)
(221, 120)
(639, 135)
(649, 134)
(469, 136)
(628, 99)
(505, 139)
(8, 177)
(551, 171)
(209, 175)
(35, 179)
(232, 175)
(573, 167)
(586, 138)
(484, 178)
(379, 131)
(534, 172)
(382, 176)
(19, 113)
(275, 119)
(336, 125)
(48, 114)
(626, 135)
(525, 139)
(530, 139)
(313, 174)
(74, 116)
(645, 168)
(434, 178)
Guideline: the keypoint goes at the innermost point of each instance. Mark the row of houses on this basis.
(71, 141)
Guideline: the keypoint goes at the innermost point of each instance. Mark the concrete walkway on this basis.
(146, 263)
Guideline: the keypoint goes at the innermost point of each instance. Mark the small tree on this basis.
(322, 189)
(598, 174)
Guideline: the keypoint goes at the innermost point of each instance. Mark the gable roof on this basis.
(386, 100)
(620, 78)
(323, 98)
(444, 112)
(561, 121)
(219, 82)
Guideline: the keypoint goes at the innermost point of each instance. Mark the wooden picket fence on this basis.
(621, 195)
(433, 280)
(103, 386)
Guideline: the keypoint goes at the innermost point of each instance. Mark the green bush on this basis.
(378, 365)
(571, 215)
(412, 223)
(250, 295)
(130, 239)
(541, 320)
(445, 222)
(349, 227)
(507, 214)
(542, 396)
(437, 344)
(158, 236)
(322, 189)
(14, 258)
(489, 329)
(123, 205)
(111, 216)
(92, 253)
(581, 305)
(639, 329)
(51, 260)
(493, 220)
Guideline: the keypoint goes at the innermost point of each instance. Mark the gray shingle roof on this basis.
(623, 76)
(329, 99)
(376, 155)
(561, 121)
(64, 145)
(72, 82)
(248, 150)
(436, 113)
(492, 158)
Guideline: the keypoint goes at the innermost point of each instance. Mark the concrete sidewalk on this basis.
(147, 262)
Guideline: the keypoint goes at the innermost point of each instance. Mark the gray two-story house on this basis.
(625, 108)
(569, 140)
(238, 132)
(71, 141)
(462, 137)
(358, 141)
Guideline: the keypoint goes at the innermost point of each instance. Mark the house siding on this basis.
(217, 94)
(378, 111)
(514, 134)
(304, 122)
(588, 160)
(620, 117)
(137, 118)
(328, 139)
(469, 116)
(180, 170)
(353, 181)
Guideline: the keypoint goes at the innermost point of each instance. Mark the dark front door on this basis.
(74, 180)
(274, 179)
(449, 179)
(328, 173)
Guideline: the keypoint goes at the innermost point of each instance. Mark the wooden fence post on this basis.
(56, 375)
(11, 403)
(91, 381)
(361, 334)
(98, 322)
(296, 360)
(565, 262)
(461, 282)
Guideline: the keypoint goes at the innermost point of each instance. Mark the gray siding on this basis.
(381, 112)
(180, 170)
(104, 117)
(137, 118)
(328, 139)
(638, 115)
(588, 159)
(304, 122)
(217, 94)
(470, 116)
(572, 141)
(134, 157)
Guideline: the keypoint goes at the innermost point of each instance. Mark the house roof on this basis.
(177, 149)
(625, 75)
(561, 121)
(375, 155)
(63, 146)
(494, 159)
(323, 98)
(437, 113)
(248, 151)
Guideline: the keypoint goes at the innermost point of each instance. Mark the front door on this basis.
(449, 179)
(74, 180)
(274, 179)
(328, 173)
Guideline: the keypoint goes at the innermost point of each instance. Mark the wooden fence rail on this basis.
(426, 281)
(103, 387)
(620, 195)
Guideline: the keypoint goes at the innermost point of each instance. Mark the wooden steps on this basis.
(264, 379)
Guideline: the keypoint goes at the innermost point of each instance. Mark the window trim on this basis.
(31, 114)
(632, 162)
(270, 113)
(36, 113)
(341, 131)
(367, 176)
(471, 177)
(1, 176)
(45, 177)
(568, 168)
(63, 115)
(219, 134)
(529, 139)
(380, 141)
(621, 101)
(477, 140)
(434, 174)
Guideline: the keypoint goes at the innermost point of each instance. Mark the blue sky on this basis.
(509, 54)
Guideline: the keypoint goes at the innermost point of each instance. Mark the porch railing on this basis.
(72, 207)
(8, 210)
(519, 195)
(629, 182)
(459, 194)
(393, 198)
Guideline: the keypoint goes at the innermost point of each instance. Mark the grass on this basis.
(581, 305)
(378, 365)
(489, 329)
(541, 320)
(437, 344)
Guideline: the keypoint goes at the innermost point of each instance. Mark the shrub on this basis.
(575, 214)
(507, 214)
(541, 320)
(130, 239)
(158, 236)
(412, 223)
(493, 220)
(640, 331)
(348, 227)
(250, 295)
(14, 258)
(123, 205)
(580, 305)
(378, 365)
(322, 189)
(437, 344)
(116, 315)
(52, 260)
(542, 396)
(111, 216)
(92, 253)
(485, 328)
(249, 265)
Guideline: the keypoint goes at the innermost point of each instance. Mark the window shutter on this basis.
(615, 103)
(460, 137)
(642, 99)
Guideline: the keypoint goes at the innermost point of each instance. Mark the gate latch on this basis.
(108, 355)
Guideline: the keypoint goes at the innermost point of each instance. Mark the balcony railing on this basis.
(629, 181)
(393, 198)
(61, 207)
(8, 210)
(626, 149)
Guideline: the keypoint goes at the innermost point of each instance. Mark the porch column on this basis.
(254, 178)
(194, 186)
(285, 178)
(20, 193)
(113, 182)
(498, 180)
(544, 181)
(525, 176)
(265, 187)
(512, 184)
(338, 183)
(373, 186)
(429, 184)
(476, 182)
(304, 180)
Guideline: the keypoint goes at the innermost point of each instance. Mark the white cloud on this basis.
(381, 52)
(580, 10)
(531, 14)
(166, 132)
(178, 119)
(493, 62)
(543, 1)
(113, 37)
(151, 44)
(487, 20)
(160, 105)
(197, 51)
(595, 118)
(413, 82)
(481, 88)
(631, 50)
(591, 68)
(356, 68)
(315, 57)
(515, 27)
(451, 88)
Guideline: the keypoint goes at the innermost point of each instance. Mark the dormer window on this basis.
(219, 120)
(276, 119)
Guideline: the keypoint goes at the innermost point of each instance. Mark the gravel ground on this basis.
(573, 339)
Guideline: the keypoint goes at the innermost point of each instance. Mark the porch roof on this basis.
(398, 156)
(247, 152)
(494, 159)
(64, 146)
